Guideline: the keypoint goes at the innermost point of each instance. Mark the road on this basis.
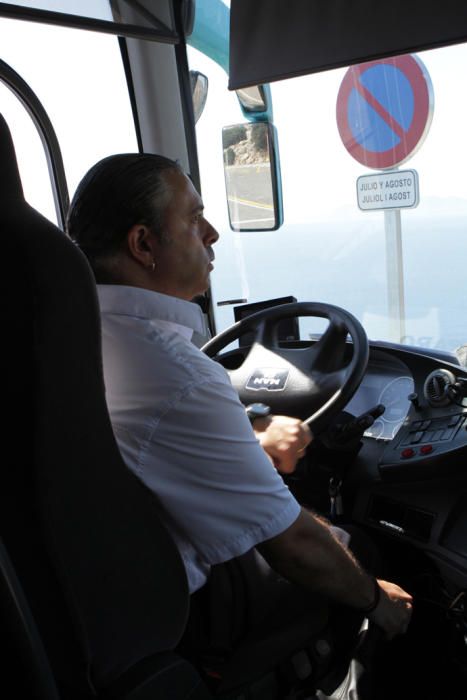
(250, 197)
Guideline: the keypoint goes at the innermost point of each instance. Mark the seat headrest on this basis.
(10, 181)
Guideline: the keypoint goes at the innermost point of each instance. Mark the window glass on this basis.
(30, 154)
(79, 78)
(117, 12)
(229, 281)
(329, 250)
(97, 9)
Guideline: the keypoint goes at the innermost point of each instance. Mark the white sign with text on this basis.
(397, 189)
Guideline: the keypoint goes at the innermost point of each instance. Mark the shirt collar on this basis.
(144, 303)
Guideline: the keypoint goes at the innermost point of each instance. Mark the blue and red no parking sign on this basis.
(384, 110)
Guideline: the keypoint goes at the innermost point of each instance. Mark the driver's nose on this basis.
(210, 234)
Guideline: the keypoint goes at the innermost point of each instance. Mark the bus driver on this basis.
(177, 419)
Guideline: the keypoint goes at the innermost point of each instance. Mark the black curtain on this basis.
(275, 39)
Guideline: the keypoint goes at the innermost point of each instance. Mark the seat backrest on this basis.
(26, 669)
(103, 578)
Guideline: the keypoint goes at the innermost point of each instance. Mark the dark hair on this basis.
(116, 193)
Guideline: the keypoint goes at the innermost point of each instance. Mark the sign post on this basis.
(384, 112)
(395, 274)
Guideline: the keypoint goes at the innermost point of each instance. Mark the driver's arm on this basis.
(308, 554)
(284, 439)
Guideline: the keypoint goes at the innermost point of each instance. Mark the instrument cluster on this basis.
(386, 386)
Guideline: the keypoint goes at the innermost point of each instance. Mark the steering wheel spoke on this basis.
(329, 351)
(266, 334)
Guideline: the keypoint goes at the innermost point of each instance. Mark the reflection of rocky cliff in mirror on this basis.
(248, 176)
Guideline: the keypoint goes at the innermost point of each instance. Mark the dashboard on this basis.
(410, 478)
(419, 438)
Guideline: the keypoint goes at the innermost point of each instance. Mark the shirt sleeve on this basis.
(212, 476)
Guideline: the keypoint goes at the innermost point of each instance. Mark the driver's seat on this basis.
(103, 579)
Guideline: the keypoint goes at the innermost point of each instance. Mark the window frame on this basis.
(34, 107)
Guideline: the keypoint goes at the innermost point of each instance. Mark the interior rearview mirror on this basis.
(199, 92)
(252, 176)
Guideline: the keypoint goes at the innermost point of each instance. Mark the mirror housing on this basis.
(256, 103)
(252, 176)
(253, 99)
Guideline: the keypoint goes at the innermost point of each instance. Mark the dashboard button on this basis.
(426, 449)
(454, 420)
(425, 424)
(407, 453)
(416, 437)
(447, 434)
(437, 435)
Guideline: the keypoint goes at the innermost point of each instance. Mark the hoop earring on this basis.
(153, 266)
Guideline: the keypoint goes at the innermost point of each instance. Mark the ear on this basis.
(141, 245)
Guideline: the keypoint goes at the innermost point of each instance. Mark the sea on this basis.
(345, 264)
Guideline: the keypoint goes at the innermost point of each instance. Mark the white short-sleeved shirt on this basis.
(182, 429)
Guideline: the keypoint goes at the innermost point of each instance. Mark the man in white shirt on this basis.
(177, 419)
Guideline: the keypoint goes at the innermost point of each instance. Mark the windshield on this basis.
(329, 249)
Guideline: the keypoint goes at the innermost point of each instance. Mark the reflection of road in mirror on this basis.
(250, 195)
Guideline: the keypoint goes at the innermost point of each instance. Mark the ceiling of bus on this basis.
(273, 39)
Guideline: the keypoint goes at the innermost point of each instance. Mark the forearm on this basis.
(309, 555)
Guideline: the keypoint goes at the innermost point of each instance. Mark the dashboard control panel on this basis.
(425, 444)
(422, 433)
(431, 430)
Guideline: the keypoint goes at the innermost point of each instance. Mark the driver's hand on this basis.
(284, 440)
(394, 610)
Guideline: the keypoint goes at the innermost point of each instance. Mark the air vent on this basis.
(436, 385)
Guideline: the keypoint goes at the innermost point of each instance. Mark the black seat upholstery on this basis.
(21, 642)
(103, 578)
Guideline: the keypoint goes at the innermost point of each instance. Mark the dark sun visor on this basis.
(275, 39)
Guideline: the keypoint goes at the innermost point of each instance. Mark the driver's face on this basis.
(185, 255)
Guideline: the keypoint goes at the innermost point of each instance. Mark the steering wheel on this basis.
(313, 382)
